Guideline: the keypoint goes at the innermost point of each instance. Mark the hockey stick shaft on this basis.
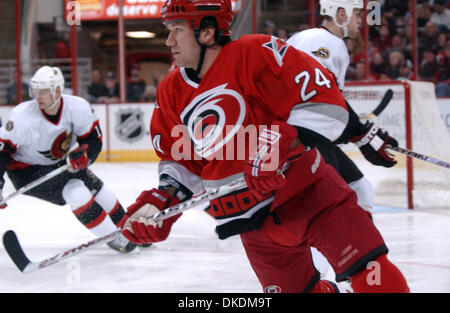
(35, 183)
(16, 253)
(381, 106)
(419, 156)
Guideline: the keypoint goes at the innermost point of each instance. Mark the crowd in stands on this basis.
(390, 45)
(106, 90)
(390, 52)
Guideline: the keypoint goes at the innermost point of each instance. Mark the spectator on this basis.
(62, 48)
(149, 94)
(442, 78)
(150, 90)
(396, 61)
(441, 15)
(396, 7)
(406, 72)
(355, 50)
(283, 34)
(111, 91)
(384, 41)
(378, 66)
(11, 91)
(428, 67)
(157, 77)
(360, 72)
(269, 27)
(350, 75)
(398, 44)
(428, 40)
(442, 41)
(135, 85)
(400, 26)
(409, 38)
(96, 89)
(423, 14)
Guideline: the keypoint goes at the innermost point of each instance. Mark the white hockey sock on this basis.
(87, 211)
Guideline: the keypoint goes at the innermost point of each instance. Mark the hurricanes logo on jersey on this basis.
(322, 53)
(60, 146)
(213, 118)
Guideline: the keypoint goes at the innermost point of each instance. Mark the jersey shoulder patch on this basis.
(278, 48)
(322, 53)
(9, 126)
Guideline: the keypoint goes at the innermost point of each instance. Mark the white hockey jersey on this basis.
(326, 48)
(38, 141)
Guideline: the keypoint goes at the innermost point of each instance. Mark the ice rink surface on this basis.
(192, 259)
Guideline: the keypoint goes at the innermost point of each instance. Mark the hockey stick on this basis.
(35, 183)
(380, 107)
(419, 156)
(25, 265)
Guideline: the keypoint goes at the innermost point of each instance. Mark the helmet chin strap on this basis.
(345, 28)
(345, 24)
(201, 59)
(203, 48)
(55, 102)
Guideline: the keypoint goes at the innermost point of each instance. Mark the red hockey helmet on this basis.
(194, 10)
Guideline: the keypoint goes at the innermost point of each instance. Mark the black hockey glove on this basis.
(372, 144)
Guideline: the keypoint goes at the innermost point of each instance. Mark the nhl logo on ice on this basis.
(130, 125)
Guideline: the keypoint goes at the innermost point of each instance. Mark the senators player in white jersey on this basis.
(224, 88)
(38, 138)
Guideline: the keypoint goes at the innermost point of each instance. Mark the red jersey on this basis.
(199, 128)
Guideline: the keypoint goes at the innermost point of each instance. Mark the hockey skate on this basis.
(121, 244)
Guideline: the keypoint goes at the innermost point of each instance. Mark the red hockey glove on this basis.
(264, 170)
(138, 228)
(78, 159)
(373, 145)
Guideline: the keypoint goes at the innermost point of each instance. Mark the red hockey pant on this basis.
(325, 215)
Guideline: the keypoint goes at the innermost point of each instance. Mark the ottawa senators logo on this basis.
(59, 147)
(9, 126)
(213, 118)
(322, 53)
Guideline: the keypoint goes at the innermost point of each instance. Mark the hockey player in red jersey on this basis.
(257, 87)
(325, 44)
(43, 134)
